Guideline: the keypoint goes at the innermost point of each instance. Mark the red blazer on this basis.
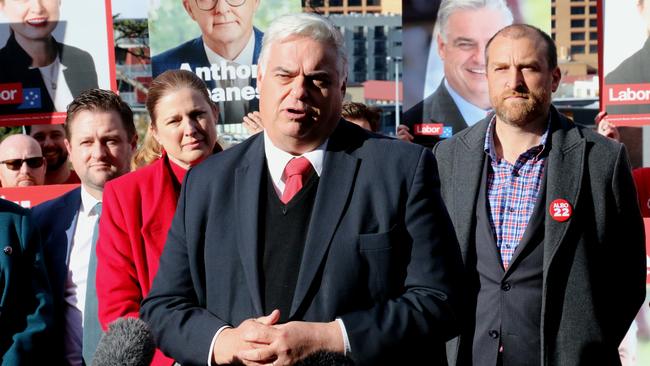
(137, 212)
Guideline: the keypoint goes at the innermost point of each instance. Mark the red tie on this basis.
(295, 171)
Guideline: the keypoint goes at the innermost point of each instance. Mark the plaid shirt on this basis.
(512, 191)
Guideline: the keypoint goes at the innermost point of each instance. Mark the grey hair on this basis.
(308, 25)
(448, 7)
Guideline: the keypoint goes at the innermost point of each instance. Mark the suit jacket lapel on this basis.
(71, 208)
(248, 178)
(468, 167)
(444, 109)
(334, 188)
(564, 177)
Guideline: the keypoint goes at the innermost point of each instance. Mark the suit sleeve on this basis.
(178, 319)
(31, 343)
(423, 315)
(118, 290)
(627, 256)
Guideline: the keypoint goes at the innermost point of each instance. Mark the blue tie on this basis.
(92, 331)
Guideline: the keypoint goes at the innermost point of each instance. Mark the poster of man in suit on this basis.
(220, 41)
(452, 95)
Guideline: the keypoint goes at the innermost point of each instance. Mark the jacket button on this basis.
(505, 286)
(7, 250)
(493, 334)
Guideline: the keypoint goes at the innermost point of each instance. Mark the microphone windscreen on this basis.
(128, 341)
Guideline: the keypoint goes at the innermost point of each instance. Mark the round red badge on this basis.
(560, 210)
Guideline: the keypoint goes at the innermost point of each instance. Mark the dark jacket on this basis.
(593, 264)
(379, 252)
(25, 299)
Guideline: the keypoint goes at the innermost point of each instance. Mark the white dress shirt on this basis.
(276, 160)
(79, 249)
(56, 85)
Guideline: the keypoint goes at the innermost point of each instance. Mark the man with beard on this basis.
(101, 139)
(546, 217)
(21, 162)
(51, 138)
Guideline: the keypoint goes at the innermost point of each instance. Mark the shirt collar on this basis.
(277, 159)
(471, 113)
(245, 57)
(88, 202)
(491, 150)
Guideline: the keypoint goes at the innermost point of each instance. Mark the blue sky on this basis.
(129, 9)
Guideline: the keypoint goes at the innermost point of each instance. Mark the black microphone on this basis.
(128, 341)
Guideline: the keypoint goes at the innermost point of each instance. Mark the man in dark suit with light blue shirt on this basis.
(223, 56)
(547, 219)
(101, 138)
(313, 235)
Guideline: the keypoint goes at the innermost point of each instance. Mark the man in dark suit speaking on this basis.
(546, 216)
(224, 56)
(313, 235)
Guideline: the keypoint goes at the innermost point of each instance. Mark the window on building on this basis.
(593, 48)
(577, 50)
(380, 33)
(552, 23)
(373, 2)
(577, 23)
(553, 36)
(593, 22)
(360, 65)
(354, 2)
(593, 10)
(577, 36)
(577, 10)
(552, 10)
(593, 35)
(336, 2)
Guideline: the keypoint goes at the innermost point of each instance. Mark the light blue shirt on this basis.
(471, 113)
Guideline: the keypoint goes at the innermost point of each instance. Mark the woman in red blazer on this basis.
(138, 207)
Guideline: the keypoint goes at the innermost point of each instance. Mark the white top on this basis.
(56, 85)
(471, 113)
(79, 247)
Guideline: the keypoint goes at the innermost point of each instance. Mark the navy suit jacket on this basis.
(379, 253)
(57, 221)
(25, 300)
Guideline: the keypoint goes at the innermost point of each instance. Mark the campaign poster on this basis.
(220, 41)
(51, 51)
(29, 197)
(625, 71)
(438, 106)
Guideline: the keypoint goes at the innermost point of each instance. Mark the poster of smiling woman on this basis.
(220, 41)
(50, 51)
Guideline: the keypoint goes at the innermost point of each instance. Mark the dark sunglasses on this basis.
(16, 164)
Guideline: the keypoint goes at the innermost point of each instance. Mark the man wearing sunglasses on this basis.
(21, 162)
(228, 46)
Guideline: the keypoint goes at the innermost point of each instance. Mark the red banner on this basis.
(31, 196)
(646, 221)
(627, 94)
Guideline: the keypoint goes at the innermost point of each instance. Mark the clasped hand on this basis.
(261, 341)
